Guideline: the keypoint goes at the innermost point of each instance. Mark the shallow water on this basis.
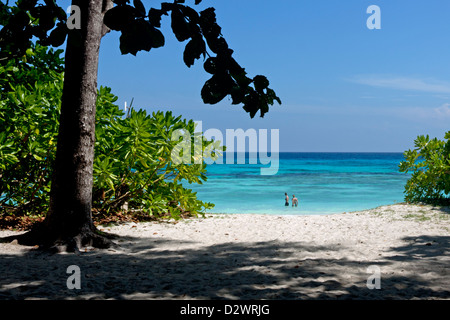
(324, 183)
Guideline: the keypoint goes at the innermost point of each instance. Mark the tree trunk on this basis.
(69, 225)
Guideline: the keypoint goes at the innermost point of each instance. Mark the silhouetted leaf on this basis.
(140, 9)
(194, 49)
(238, 73)
(119, 17)
(263, 109)
(210, 65)
(154, 16)
(261, 83)
(211, 30)
(217, 88)
(180, 26)
(271, 96)
(47, 18)
(19, 21)
(234, 67)
(218, 45)
(166, 6)
(157, 38)
(208, 16)
(251, 103)
(190, 13)
(61, 14)
(58, 35)
(140, 35)
(237, 95)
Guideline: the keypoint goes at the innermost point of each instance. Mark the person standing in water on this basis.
(294, 201)
(286, 199)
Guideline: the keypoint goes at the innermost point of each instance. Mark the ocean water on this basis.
(324, 183)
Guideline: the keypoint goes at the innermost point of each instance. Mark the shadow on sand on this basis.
(262, 270)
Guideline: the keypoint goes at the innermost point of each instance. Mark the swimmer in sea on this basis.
(294, 201)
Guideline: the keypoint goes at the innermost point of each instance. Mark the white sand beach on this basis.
(250, 257)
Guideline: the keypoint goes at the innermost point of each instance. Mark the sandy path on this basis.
(250, 257)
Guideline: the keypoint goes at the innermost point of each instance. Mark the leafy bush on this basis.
(429, 163)
(133, 163)
(29, 109)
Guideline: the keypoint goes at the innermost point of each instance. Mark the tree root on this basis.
(57, 242)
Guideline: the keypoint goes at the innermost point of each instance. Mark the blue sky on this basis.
(343, 87)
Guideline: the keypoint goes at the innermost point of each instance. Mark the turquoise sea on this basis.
(324, 183)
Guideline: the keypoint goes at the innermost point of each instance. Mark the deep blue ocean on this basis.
(324, 183)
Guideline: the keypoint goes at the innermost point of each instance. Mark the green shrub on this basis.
(429, 164)
(29, 109)
(133, 162)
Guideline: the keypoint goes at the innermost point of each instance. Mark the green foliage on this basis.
(38, 64)
(29, 107)
(429, 163)
(132, 164)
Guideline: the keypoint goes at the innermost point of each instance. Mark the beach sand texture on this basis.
(250, 257)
